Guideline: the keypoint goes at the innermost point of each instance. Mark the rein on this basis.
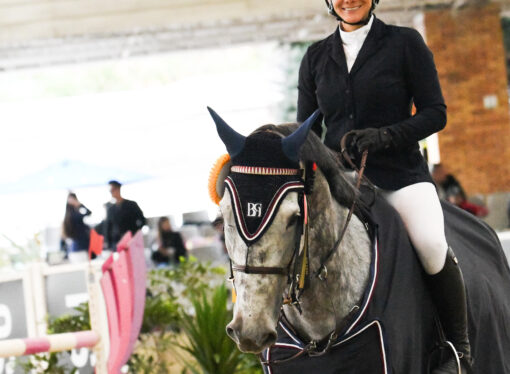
(322, 272)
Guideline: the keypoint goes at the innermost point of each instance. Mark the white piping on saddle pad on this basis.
(372, 286)
(381, 341)
(375, 267)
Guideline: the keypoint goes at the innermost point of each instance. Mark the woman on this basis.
(365, 77)
(170, 245)
(75, 229)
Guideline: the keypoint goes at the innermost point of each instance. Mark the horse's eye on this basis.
(293, 220)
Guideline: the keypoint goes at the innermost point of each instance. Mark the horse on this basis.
(322, 290)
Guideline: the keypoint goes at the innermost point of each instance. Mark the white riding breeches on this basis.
(421, 212)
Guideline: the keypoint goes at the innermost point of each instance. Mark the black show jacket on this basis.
(393, 69)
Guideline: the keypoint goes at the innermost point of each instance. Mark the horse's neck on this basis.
(325, 304)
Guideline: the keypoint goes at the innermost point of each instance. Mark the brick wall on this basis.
(469, 55)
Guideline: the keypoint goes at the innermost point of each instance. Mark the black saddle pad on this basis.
(402, 310)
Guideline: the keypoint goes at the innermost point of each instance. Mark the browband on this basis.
(255, 170)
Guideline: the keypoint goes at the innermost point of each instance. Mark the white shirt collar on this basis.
(349, 37)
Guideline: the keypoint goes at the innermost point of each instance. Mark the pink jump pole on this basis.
(50, 343)
(116, 304)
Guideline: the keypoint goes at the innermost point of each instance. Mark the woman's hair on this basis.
(68, 227)
(161, 221)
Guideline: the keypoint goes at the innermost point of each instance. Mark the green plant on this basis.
(207, 342)
(47, 363)
(15, 255)
(151, 356)
(171, 299)
(79, 321)
(52, 363)
(183, 305)
(292, 55)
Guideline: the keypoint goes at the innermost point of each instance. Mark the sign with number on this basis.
(13, 320)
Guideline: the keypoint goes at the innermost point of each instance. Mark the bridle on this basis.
(295, 287)
(298, 276)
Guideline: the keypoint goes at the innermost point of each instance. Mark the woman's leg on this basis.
(421, 212)
(419, 207)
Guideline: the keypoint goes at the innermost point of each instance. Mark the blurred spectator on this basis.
(508, 213)
(219, 227)
(450, 189)
(475, 209)
(75, 229)
(447, 185)
(170, 245)
(121, 216)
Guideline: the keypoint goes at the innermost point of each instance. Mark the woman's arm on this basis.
(423, 83)
(307, 100)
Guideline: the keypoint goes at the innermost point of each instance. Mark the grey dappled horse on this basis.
(264, 254)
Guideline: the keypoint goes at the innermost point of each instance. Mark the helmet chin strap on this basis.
(364, 21)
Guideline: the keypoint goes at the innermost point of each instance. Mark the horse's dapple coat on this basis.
(397, 331)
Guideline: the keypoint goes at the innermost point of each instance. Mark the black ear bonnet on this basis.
(257, 197)
(265, 167)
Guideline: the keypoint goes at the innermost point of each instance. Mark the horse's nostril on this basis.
(230, 332)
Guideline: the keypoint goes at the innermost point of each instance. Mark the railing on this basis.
(116, 304)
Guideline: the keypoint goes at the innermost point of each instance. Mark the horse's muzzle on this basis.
(252, 340)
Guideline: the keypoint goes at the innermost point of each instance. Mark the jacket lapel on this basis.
(336, 51)
(371, 45)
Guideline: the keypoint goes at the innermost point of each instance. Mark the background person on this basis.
(219, 227)
(508, 213)
(364, 77)
(170, 245)
(450, 189)
(122, 215)
(75, 229)
(447, 185)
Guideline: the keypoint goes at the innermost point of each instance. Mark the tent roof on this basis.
(49, 32)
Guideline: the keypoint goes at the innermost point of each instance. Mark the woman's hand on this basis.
(371, 139)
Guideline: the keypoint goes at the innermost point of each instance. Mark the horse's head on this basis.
(263, 212)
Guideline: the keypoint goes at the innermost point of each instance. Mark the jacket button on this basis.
(347, 91)
(351, 116)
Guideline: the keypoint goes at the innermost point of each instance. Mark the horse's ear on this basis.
(232, 140)
(293, 143)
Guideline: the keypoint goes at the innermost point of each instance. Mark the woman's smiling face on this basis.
(352, 11)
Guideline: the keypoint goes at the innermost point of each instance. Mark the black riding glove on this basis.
(371, 139)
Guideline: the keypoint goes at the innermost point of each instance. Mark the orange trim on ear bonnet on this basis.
(217, 176)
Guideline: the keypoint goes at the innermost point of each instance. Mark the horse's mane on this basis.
(315, 151)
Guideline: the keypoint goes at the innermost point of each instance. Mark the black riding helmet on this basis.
(332, 11)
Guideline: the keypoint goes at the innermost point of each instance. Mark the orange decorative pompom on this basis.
(217, 176)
